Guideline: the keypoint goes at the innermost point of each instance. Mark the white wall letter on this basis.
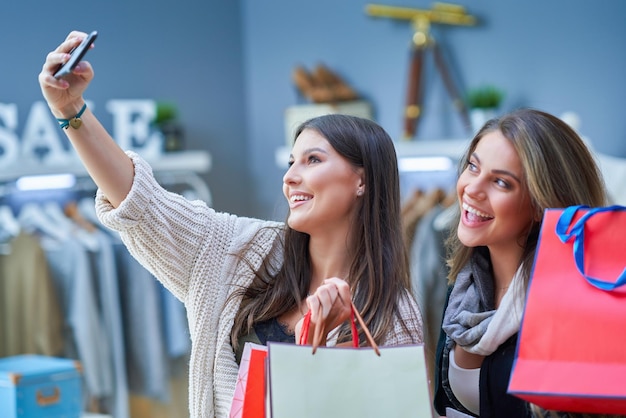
(9, 143)
(40, 139)
(132, 120)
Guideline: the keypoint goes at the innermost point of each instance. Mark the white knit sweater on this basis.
(190, 248)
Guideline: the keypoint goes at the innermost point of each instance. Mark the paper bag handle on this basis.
(317, 337)
(577, 231)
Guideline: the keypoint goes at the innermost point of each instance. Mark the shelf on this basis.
(183, 161)
(451, 148)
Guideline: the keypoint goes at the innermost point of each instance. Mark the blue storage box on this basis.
(40, 386)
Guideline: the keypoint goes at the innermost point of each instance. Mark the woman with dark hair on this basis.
(514, 168)
(245, 279)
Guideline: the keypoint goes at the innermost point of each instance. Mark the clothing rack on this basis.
(91, 307)
(182, 168)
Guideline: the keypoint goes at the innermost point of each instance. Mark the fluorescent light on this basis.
(54, 181)
(406, 164)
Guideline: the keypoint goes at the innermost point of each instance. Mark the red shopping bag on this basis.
(571, 353)
(249, 398)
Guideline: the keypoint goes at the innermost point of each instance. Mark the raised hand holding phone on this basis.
(77, 55)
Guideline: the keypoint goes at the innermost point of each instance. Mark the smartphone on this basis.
(76, 55)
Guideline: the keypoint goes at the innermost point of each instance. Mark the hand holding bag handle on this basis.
(347, 381)
(577, 232)
(317, 337)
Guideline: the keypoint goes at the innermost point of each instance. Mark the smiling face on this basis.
(321, 186)
(495, 204)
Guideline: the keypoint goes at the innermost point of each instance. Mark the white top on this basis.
(464, 385)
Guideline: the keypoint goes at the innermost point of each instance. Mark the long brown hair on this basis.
(559, 171)
(379, 272)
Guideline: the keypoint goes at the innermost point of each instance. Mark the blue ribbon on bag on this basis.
(577, 231)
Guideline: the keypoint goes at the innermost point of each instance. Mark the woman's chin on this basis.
(294, 224)
(467, 238)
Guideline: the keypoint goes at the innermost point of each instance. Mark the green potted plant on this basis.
(166, 121)
(483, 103)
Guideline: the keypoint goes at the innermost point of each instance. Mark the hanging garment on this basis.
(84, 329)
(30, 316)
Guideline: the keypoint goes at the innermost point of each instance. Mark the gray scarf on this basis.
(471, 319)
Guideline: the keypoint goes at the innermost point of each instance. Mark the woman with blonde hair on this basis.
(514, 168)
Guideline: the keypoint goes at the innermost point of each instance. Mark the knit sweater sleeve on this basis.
(168, 233)
(410, 328)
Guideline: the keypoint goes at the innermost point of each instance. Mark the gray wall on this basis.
(185, 51)
(228, 65)
(557, 55)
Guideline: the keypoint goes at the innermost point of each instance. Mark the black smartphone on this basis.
(76, 55)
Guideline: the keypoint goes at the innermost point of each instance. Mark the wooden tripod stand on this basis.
(442, 13)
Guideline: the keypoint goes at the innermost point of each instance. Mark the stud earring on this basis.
(359, 192)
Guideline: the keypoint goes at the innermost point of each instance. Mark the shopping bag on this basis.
(346, 382)
(571, 352)
(453, 413)
(249, 398)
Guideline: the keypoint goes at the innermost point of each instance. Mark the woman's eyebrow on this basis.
(508, 173)
(315, 149)
(505, 172)
(311, 150)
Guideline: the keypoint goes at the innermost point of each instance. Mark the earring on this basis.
(359, 192)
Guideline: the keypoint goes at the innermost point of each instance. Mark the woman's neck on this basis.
(329, 258)
(504, 265)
